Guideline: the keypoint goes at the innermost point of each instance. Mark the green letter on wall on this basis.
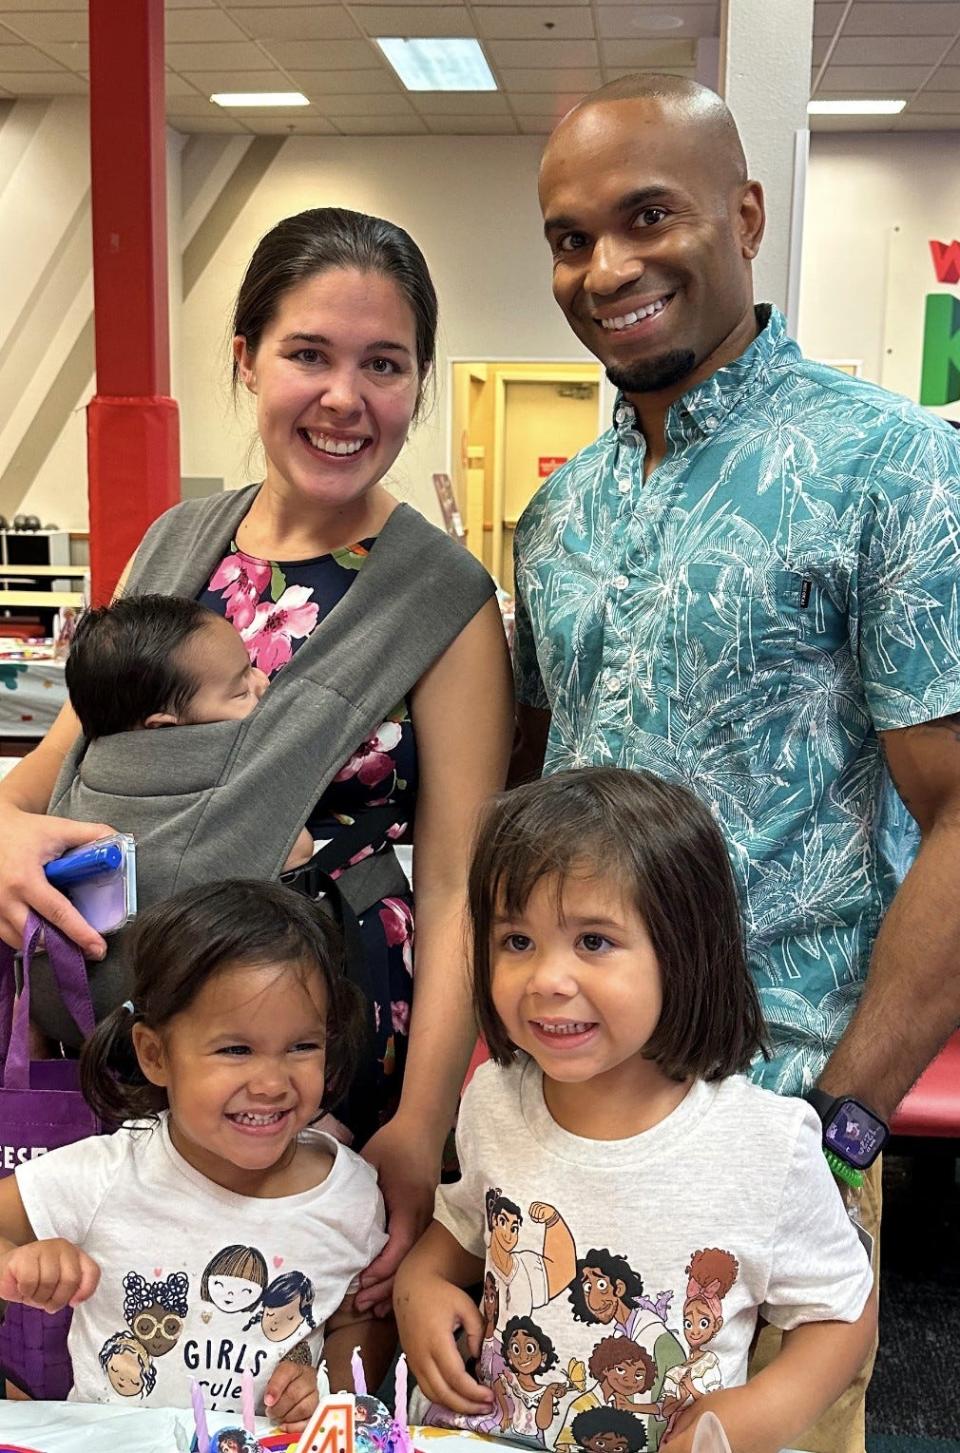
(940, 378)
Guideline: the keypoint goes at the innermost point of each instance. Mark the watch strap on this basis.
(844, 1172)
(823, 1102)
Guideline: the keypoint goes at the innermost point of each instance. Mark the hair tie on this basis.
(128, 1005)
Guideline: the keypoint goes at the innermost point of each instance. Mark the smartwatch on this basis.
(853, 1134)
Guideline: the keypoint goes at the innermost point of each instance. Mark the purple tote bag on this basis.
(40, 1108)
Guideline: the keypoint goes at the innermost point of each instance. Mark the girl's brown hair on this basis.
(173, 948)
(662, 845)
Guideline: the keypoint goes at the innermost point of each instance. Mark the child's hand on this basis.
(430, 1311)
(291, 1397)
(742, 1415)
(49, 1275)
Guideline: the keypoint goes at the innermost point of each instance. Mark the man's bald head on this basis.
(679, 102)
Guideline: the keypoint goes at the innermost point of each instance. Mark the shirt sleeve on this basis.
(819, 1269)
(526, 667)
(460, 1205)
(905, 615)
(63, 1190)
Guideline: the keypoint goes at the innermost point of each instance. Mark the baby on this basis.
(162, 661)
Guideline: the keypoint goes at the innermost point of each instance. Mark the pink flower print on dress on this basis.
(400, 1016)
(245, 579)
(371, 762)
(397, 920)
(275, 624)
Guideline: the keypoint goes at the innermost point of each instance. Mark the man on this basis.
(750, 584)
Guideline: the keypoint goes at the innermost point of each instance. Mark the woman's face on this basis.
(335, 378)
(279, 1322)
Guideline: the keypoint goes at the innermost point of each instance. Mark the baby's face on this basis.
(229, 687)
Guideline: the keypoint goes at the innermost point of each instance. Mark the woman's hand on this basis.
(48, 1275)
(408, 1175)
(430, 1311)
(28, 840)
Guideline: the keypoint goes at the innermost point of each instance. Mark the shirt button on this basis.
(613, 683)
(624, 486)
(620, 582)
(711, 421)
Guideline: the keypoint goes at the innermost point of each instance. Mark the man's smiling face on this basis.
(651, 227)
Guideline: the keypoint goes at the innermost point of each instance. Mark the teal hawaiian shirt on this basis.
(783, 586)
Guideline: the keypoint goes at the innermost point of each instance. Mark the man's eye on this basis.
(571, 242)
(650, 216)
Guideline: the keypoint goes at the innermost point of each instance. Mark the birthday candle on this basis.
(199, 1417)
(400, 1402)
(246, 1400)
(359, 1377)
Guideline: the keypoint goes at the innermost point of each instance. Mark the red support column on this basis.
(133, 442)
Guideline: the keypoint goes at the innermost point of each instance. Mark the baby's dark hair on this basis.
(175, 947)
(524, 1325)
(660, 843)
(124, 663)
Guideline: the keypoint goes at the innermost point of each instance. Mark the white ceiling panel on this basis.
(231, 124)
(908, 121)
(528, 22)
(587, 78)
(243, 54)
(638, 20)
(24, 58)
(200, 25)
(414, 20)
(317, 84)
(903, 17)
(556, 106)
(649, 54)
(297, 22)
(826, 17)
(936, 103)
(302, 126)
(394, 105)
(947, 78)
(178, 4)
(43, 83)
(323, 55)
(892, 50)
(206, 81)
(176, 85)
(537, 125)
(528, 53)
(382, 126)
(70, 53)
(472, 125)
(860, 79)
(47, 25)
(452, 103)
(19, 5)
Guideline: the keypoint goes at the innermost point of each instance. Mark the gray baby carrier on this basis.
(227, 799)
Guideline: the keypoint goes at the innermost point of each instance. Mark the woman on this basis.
(334, 336)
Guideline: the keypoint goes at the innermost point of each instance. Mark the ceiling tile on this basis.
(649, 53)
(638, 20)
(543, 52)
(935, 103)
(852, 123)
(581, 4)
(32, 5)
(193, 124)
(529, 22)
(587, 78)
(537, 125)
(947, 78)
(207, 81)
(910, 121)
(472, 125)
(192, 105)
(243, 54)
(317, 84)
(393, 105)
(43, 83)
(72, 54)
(414, 20)
(556, 106)
(283, 126)
(324, 55)
(199, 25)
(381, 126)
(952, 58)
(177, 4)
(860, 79)
(450, 103)
(48, 25)
(297, 22)
(918, 17)
(616, 73)
(177, 85)
(826, 17)
(819, 50)
(25, 58)
(890, 50)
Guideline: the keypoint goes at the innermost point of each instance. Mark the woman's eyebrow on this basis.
(324, 342)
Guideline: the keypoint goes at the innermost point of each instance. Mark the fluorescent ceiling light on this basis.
(855, 108)
(438, 65)
(259, 98)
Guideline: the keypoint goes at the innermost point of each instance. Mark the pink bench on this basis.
(932, 1108)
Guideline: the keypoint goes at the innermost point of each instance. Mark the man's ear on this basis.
(151, 1055)
(244, 360)
(161, 719)
(752, 220)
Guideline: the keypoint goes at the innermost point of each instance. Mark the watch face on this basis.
(855, 1134)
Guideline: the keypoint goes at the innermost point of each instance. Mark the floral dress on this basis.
(275, 605)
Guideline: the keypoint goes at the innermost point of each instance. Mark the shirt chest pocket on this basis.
(732, 637)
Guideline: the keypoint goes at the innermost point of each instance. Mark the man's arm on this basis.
(911, 1000)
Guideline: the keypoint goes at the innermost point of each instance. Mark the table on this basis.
(31, 695)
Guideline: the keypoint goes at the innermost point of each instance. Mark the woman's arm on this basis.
(463, 719)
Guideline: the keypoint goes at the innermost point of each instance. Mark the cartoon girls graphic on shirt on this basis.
(155, 1310)
(608, 1430)
(286, 1308)
(622, 1373)
(527, 1279)
(128, 1365)
(234, 1279)
(608, 1292)
(711, 1274)
(527, 1406)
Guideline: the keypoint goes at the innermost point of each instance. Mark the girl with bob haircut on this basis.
(241, 1029)
(612, 989)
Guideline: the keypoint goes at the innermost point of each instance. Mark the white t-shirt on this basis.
(196, 1281)
(734, 1170)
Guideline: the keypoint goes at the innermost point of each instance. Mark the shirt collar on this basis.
(702, 410)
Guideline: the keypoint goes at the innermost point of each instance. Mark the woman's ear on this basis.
(151, 1055)
(244, 360)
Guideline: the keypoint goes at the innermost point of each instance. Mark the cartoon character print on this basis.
(490, 1365)
(711, 1273)
(622, 1373)
(155, 1311)
(528, 1407)
(608, 1430)
(285, 1308)
(128, 1365)
(606, 1291)
(527, 1279)
(233, 1280)
(233, 1440)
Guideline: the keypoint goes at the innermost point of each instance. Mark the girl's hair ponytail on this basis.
(113, 1084)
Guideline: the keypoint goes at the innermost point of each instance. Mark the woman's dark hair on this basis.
(175, 947)
(123, 664)
(333, 237)
(614, 1268)
(548, 1353)
(662, 845)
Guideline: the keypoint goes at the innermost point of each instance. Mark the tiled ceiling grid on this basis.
(544, 53)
